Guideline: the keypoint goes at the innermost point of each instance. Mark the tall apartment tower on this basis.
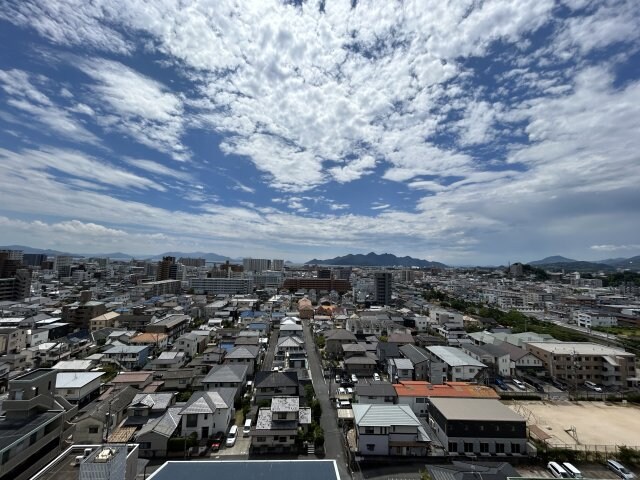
(382, 287)
(256, 264)
(167, 269)
(277, 265)
(63, 265)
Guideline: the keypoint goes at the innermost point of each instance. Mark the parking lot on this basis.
(589, 470)
(240, 449)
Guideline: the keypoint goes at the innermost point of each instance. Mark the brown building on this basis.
(318, 284)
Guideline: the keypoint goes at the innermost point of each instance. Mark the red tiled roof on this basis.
(449, 389)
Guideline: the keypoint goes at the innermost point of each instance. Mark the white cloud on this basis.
(158, 168)
(614, 248)
(141, 107)
(29, 99)
(70, 163)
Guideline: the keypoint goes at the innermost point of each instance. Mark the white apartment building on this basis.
(221, 286)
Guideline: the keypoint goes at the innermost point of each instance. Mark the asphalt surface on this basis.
(333, 440)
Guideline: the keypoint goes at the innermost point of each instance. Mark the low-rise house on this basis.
(78, 388)
(139, 380)
(277, 427)
(376, 393)
(207, 413)
(399, 369)
(74, 365)
(149, 405)
(453, 365)
(226, 376)
(171, 360)
(153, 437)
(417, 394)
(475, 426)
(244, 355)
(177, 380)
(353, 350)
(129, 357)
(289, 326)
(155, 341)
(362, 365)
(334, 340)
(401, 339)
(491, 355)
(213, 355)
(12, 340)
(419, 359)
(392, 430)
(173, 325)
(521, 360)
(95, 421)
(275, 384)
(191, 344)
(386, 350)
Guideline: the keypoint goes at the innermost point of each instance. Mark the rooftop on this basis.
(579, 348)
(475, 409)
(412, 388)
(384, 415)
(76, 379)
(255, 470)
(454, 357)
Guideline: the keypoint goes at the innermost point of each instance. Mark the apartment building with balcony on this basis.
(577, 362)
(34, 424)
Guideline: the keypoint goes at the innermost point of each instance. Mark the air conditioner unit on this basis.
(78, 460)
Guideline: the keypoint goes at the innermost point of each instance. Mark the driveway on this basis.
(333, 440)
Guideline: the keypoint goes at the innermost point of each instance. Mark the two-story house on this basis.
(208, 412)
(129, 357)
(275, 384)
(226, 376)
(78, 388)
(389, 430)
(277, 427)
(246, 355)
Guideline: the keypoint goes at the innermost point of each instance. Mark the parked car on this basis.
(354, 378)
(349, 391)
(341, 391)
(620, 470)
(520, 384)
(593, 386)
(216, 443)
(338, 379)
(376, 377)
(232, 436)
(343, 404)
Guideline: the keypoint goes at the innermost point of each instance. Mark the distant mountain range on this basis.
(209, 257)
(374, 260)
(558, 262)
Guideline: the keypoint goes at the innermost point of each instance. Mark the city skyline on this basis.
(478, 133)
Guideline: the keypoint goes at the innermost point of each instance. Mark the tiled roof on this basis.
(409, 388)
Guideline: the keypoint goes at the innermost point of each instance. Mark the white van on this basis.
(246, 430)
(231, 437)
(573, 471)
(557, 471)
(519, 384)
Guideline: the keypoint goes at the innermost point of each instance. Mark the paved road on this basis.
(267, 364)
(332, 434)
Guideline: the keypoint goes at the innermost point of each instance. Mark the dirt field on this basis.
(596, 423)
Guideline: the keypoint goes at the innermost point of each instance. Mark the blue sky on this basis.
(464, 132)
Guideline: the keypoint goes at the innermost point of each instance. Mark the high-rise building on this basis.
(324, 273)
(256, 264)
(192, 262)
(33, 259)
(277, 265)
(167, 269)
(382, 287)
(12, 254)
(63, 265)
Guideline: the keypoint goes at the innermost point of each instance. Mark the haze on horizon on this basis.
(465, 133)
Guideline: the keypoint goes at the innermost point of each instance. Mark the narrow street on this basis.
(332, 435)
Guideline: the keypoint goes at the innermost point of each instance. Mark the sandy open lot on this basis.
(596, 423)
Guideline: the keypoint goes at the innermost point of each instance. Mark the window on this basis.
(261, 439)
(368, 430)
(499, 447)
(145, 445)
(282, 439)
(420, 400)
(371, 447)
(93, 429)
(515, 448)
(282, 416)
(468, 447)
(453, 447)
(192, 420)
(484, 447)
